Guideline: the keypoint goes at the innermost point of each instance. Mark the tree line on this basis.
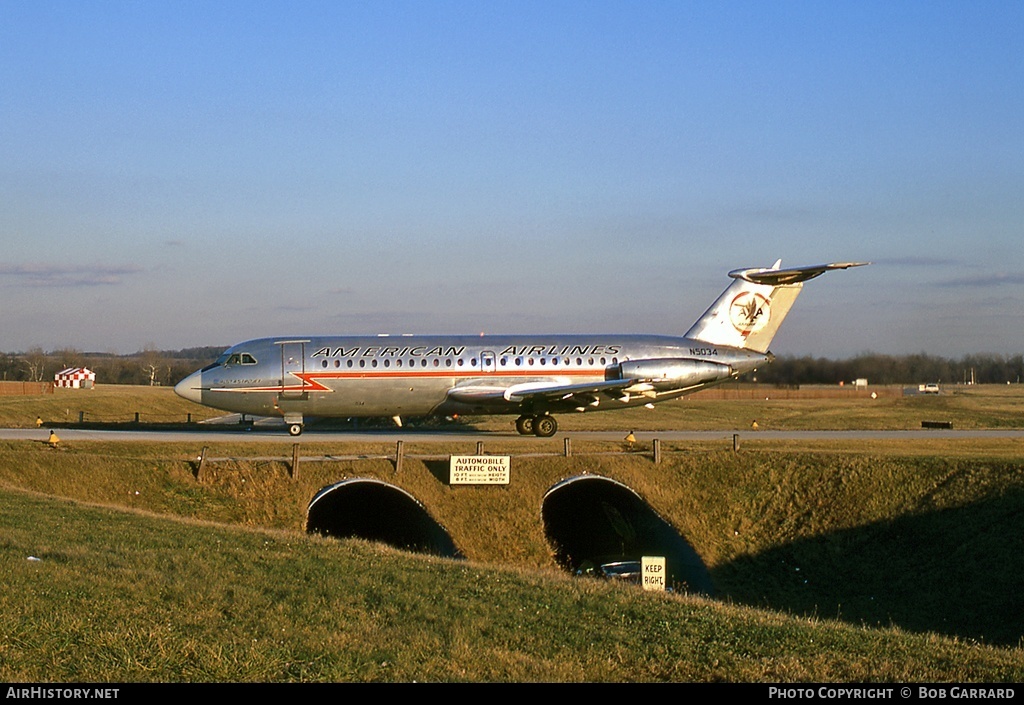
(895, 369)
(149, 367)
(166, 368)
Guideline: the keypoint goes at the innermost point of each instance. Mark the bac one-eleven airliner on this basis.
(531, 377)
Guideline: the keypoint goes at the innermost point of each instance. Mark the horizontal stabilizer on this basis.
(779, 277)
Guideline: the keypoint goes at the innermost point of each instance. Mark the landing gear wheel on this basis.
(524, 425)
(545, 426)
(294, 429)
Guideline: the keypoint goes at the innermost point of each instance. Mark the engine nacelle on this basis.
(670, 373)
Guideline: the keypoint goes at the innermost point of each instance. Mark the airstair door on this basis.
(293, 366)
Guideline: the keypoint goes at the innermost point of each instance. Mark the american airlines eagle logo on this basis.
(749, 312)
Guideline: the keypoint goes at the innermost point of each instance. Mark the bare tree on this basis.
(152, 361)
(36, 360)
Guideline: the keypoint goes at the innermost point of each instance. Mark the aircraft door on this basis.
(293, 363)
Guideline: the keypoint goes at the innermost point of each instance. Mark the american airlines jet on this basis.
(531, 377)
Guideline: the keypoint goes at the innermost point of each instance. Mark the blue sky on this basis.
(176, 174)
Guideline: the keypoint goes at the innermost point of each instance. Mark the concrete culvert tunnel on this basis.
(590, 520)
(376, 511)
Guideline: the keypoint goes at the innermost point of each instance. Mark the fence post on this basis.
(568, 447)
(479, 447)
(398, 457)
(735, 443)
(295, 460)
(202, 462)
(657, 451)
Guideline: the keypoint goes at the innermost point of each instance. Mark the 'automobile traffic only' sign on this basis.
(479, 470)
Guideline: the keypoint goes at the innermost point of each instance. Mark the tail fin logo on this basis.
(749, 312)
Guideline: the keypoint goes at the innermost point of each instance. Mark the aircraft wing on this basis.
(548, 390)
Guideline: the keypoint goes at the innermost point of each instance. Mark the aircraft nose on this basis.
(191, 388)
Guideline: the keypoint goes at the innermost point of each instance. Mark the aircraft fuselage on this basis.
(423, 375)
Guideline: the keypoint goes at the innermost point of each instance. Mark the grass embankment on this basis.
(834, 564)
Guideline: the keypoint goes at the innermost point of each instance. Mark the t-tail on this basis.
(748, 314)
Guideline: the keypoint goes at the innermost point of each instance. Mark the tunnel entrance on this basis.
(592, 521)
(376, 511)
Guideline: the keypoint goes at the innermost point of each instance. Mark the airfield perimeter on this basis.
(880, 550)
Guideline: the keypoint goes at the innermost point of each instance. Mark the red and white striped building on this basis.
(75, 378)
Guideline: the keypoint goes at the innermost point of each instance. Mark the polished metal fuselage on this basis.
(412, 376)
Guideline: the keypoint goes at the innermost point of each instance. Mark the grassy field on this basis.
(968, 407)
(898, 561)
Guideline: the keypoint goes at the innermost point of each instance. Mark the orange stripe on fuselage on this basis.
(311, 383)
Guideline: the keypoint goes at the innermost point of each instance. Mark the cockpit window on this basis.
(226, 360)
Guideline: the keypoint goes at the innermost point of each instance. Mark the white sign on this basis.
(653, 571)
(479, 470)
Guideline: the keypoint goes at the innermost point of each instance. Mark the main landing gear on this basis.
(541, 425)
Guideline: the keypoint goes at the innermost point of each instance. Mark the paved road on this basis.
(220, 434)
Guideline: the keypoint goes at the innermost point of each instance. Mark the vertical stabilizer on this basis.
(749, 312)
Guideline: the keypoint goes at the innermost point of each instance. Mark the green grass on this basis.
(836, 562)
(126, 597)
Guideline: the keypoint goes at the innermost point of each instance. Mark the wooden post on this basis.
(568, 447)
(398, 457)
(735, 443)
(479, 447)
(202, 462)
(295, 460)
(136, 417)
(81, 417)
(657, 451)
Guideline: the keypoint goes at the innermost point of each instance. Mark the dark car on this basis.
(628, 571)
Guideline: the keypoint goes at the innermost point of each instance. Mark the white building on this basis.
(75, 378)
